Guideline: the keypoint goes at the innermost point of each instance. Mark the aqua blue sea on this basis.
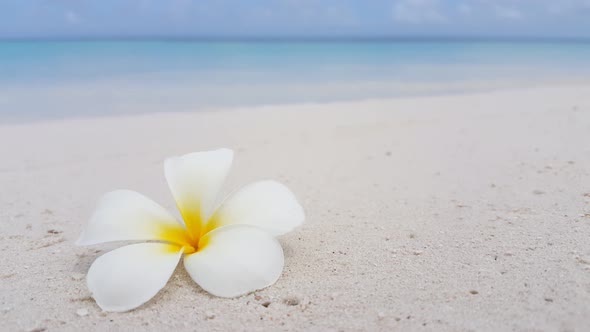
(46, 79)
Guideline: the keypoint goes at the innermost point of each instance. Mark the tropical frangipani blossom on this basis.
(229, 250)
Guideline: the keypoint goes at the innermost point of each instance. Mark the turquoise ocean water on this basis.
(51, 79)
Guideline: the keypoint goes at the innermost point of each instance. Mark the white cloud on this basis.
(418, 11)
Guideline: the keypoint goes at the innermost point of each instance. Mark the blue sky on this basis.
(311, 18)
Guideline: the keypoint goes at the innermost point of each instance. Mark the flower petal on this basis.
(195, 180)
(235, 260)
(266, 204)
(125, 215)
(125, 278)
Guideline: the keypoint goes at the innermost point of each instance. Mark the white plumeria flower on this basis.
(229, 251)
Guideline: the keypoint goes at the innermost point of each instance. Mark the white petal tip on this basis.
(125, 215)
(128, 277)
(221, 152)
(237, 260)
(267, 204)
(195, 180)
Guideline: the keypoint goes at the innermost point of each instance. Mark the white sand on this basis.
(446, 213)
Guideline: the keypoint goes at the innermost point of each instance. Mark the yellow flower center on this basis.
(192, 238)
(179, 236)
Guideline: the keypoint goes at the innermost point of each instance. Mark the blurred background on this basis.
(65, 58)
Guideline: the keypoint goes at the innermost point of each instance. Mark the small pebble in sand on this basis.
(548, 299)
(266, 304)
(82, 312)
(538, 192)
(292, 301)
(53, 231)
(209, 314)
(38, 329)
(47, 212)
(257, 297)
(381, 315)
(78, 276)
(418, 252)
(473, 292)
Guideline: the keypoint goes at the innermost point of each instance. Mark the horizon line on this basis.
(295, 38)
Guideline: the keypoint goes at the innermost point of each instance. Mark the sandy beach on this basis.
(447, 213)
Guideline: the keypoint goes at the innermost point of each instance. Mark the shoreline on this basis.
(8, 120)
